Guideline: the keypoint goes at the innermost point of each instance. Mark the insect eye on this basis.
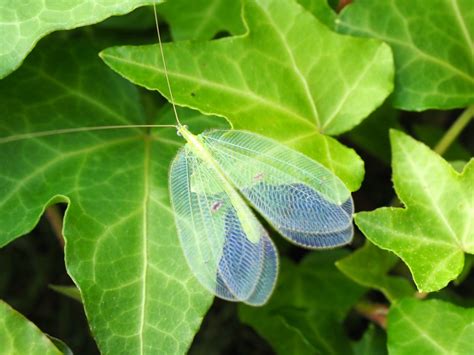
(216, 206)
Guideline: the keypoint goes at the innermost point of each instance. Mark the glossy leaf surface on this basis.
(432, 46)
(273, 80)
(121, 246)
(435, 229)
(23, 23)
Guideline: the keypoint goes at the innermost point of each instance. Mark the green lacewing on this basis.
(214, 179)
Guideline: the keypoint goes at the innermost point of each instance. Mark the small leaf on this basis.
(369, 266)
(270, 82)
(435, 229)
(22, 24)
(432, 46)
(374, 342)
(202, 19)
(305, 313)
(429, 327)
(19, 336)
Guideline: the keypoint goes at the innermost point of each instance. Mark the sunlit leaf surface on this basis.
(436, 228)
(287, 78)
(23, 23)
(121, 246)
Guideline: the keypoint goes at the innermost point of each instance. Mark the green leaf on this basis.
(269, 82)
(435, 229)
(432, 46)
(23, 24)
(369, 266)
(374, 342)
(305, 313)
(122, 250)
(321, 10)
(19, 336)
(202, 19)
(430, 327)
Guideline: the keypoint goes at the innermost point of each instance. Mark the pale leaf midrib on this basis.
(145, 256)
(422, 332)
(296, 69)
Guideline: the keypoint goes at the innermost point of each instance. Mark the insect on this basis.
(214, 181)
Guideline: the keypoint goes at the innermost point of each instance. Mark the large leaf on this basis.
(121, 246)
(202, 19)
(430, 327)
(23, 23)
(432, 46)
(435, 229)
(370, 265)
(20, 336)
(305, 313)
(289, 78)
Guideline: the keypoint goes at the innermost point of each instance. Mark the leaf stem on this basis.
(55, 219)
(454, 131)
(376, 312)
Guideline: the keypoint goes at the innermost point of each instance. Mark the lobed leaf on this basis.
(23, 24)
(435, 229)
(289, 70)
(432, 45)
(122, 250)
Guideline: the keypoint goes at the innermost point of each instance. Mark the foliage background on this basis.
(318, 307)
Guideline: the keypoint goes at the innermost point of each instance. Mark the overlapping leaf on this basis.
(436, 228)
(20, 336)
(370, 265)
(432, 45)
(121, 246)
(22, 24)
(305, 314)
(289, 78)
(430, 327)
(202, 19)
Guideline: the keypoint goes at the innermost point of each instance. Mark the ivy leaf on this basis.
(19, 336)
(305, 313)
(272, 82)
(122, 250)
(435, 229)
(23, 24)
(432, 46)
(429, 327)
(369, 266)
(202, 19)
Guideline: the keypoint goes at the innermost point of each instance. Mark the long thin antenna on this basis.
(54, 132)
(164, 66)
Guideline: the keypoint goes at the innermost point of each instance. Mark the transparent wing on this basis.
(214, 243)
(302, 199)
